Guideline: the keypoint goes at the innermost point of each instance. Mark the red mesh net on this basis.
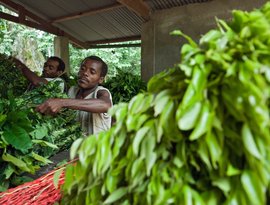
(41, 191)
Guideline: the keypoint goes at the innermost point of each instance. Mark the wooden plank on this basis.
(122, 45)
(115, 40)
(138, 6)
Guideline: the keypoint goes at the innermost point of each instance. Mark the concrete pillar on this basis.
(160, 50)
(61, 49)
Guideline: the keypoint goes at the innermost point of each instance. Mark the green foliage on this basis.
(33, 46)
(11, 79)
(28, 139)
(199, 135)
(116, 58)
(124, 85)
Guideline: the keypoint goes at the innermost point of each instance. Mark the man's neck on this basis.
(85, 92)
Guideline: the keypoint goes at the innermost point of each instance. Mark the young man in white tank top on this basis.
(91, 100)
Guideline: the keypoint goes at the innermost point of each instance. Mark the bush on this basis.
(124, 85)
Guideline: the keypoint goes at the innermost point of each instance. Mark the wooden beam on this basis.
(115, 40)
(37, 23)
(19, 20)
(138, 6)
(87, 13)
(122, 45)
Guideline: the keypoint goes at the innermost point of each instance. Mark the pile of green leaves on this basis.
(199, 135)
(28, 139)
(124, 86)
(11, 79)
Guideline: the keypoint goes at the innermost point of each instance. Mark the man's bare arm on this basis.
(99, 105)
(29, 75)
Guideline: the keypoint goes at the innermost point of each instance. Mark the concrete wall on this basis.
(61, 50)
(160, 50)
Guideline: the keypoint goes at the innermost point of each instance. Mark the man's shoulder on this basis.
(100, 88)
(72, 92)
(54, 79)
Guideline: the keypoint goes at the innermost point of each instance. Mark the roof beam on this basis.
(37, 23)
(87, 13)
(138, 6)
(122, 45)
(115, 40)
(20, 20)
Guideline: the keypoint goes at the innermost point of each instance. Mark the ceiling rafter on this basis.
(137, 6)
(115, 40)
(37, 23)
(87, 13)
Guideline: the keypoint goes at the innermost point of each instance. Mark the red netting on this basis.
(41, 191)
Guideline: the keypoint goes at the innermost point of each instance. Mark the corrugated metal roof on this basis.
(166, 4)
(90, 22)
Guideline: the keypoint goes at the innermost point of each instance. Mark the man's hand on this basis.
(50, 107)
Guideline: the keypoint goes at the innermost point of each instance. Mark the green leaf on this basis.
(210, 36)
(9, 170)
(74, 148)
(249, 142)
(111, 182)
(39, 133)
(204, 122)
(160, 101)
(188, 119)
(16, 161)
(17, 137)
(232, 171)
(253, 187)
(224, 184)
(3, 118)
(44, 143)
(214, 147)
(116, 195)
(40, 158)
(135, 104)
(138, 138)
(187, 195)
(56, 177)
(180, 33)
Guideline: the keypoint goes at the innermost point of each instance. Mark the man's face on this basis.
(50, 69)
(89, 74)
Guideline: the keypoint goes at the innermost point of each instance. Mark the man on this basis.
(53, 68)
(90, 99)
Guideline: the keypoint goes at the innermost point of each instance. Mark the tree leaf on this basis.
(16, 161)
(138, 138)
(249, 142)
(116, 195)
(74, 148)
(17, 137)
(188, 119)
(40, 158)
(253, 187)
(204, 122)
(56, 177)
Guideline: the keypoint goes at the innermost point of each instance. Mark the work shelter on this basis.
(94, 24)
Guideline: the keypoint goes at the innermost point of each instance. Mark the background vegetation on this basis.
(33, 47)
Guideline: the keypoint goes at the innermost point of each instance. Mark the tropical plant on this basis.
(199, 135)
(116, 58)
(124, 85)
(11, 79)
(28, 139)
